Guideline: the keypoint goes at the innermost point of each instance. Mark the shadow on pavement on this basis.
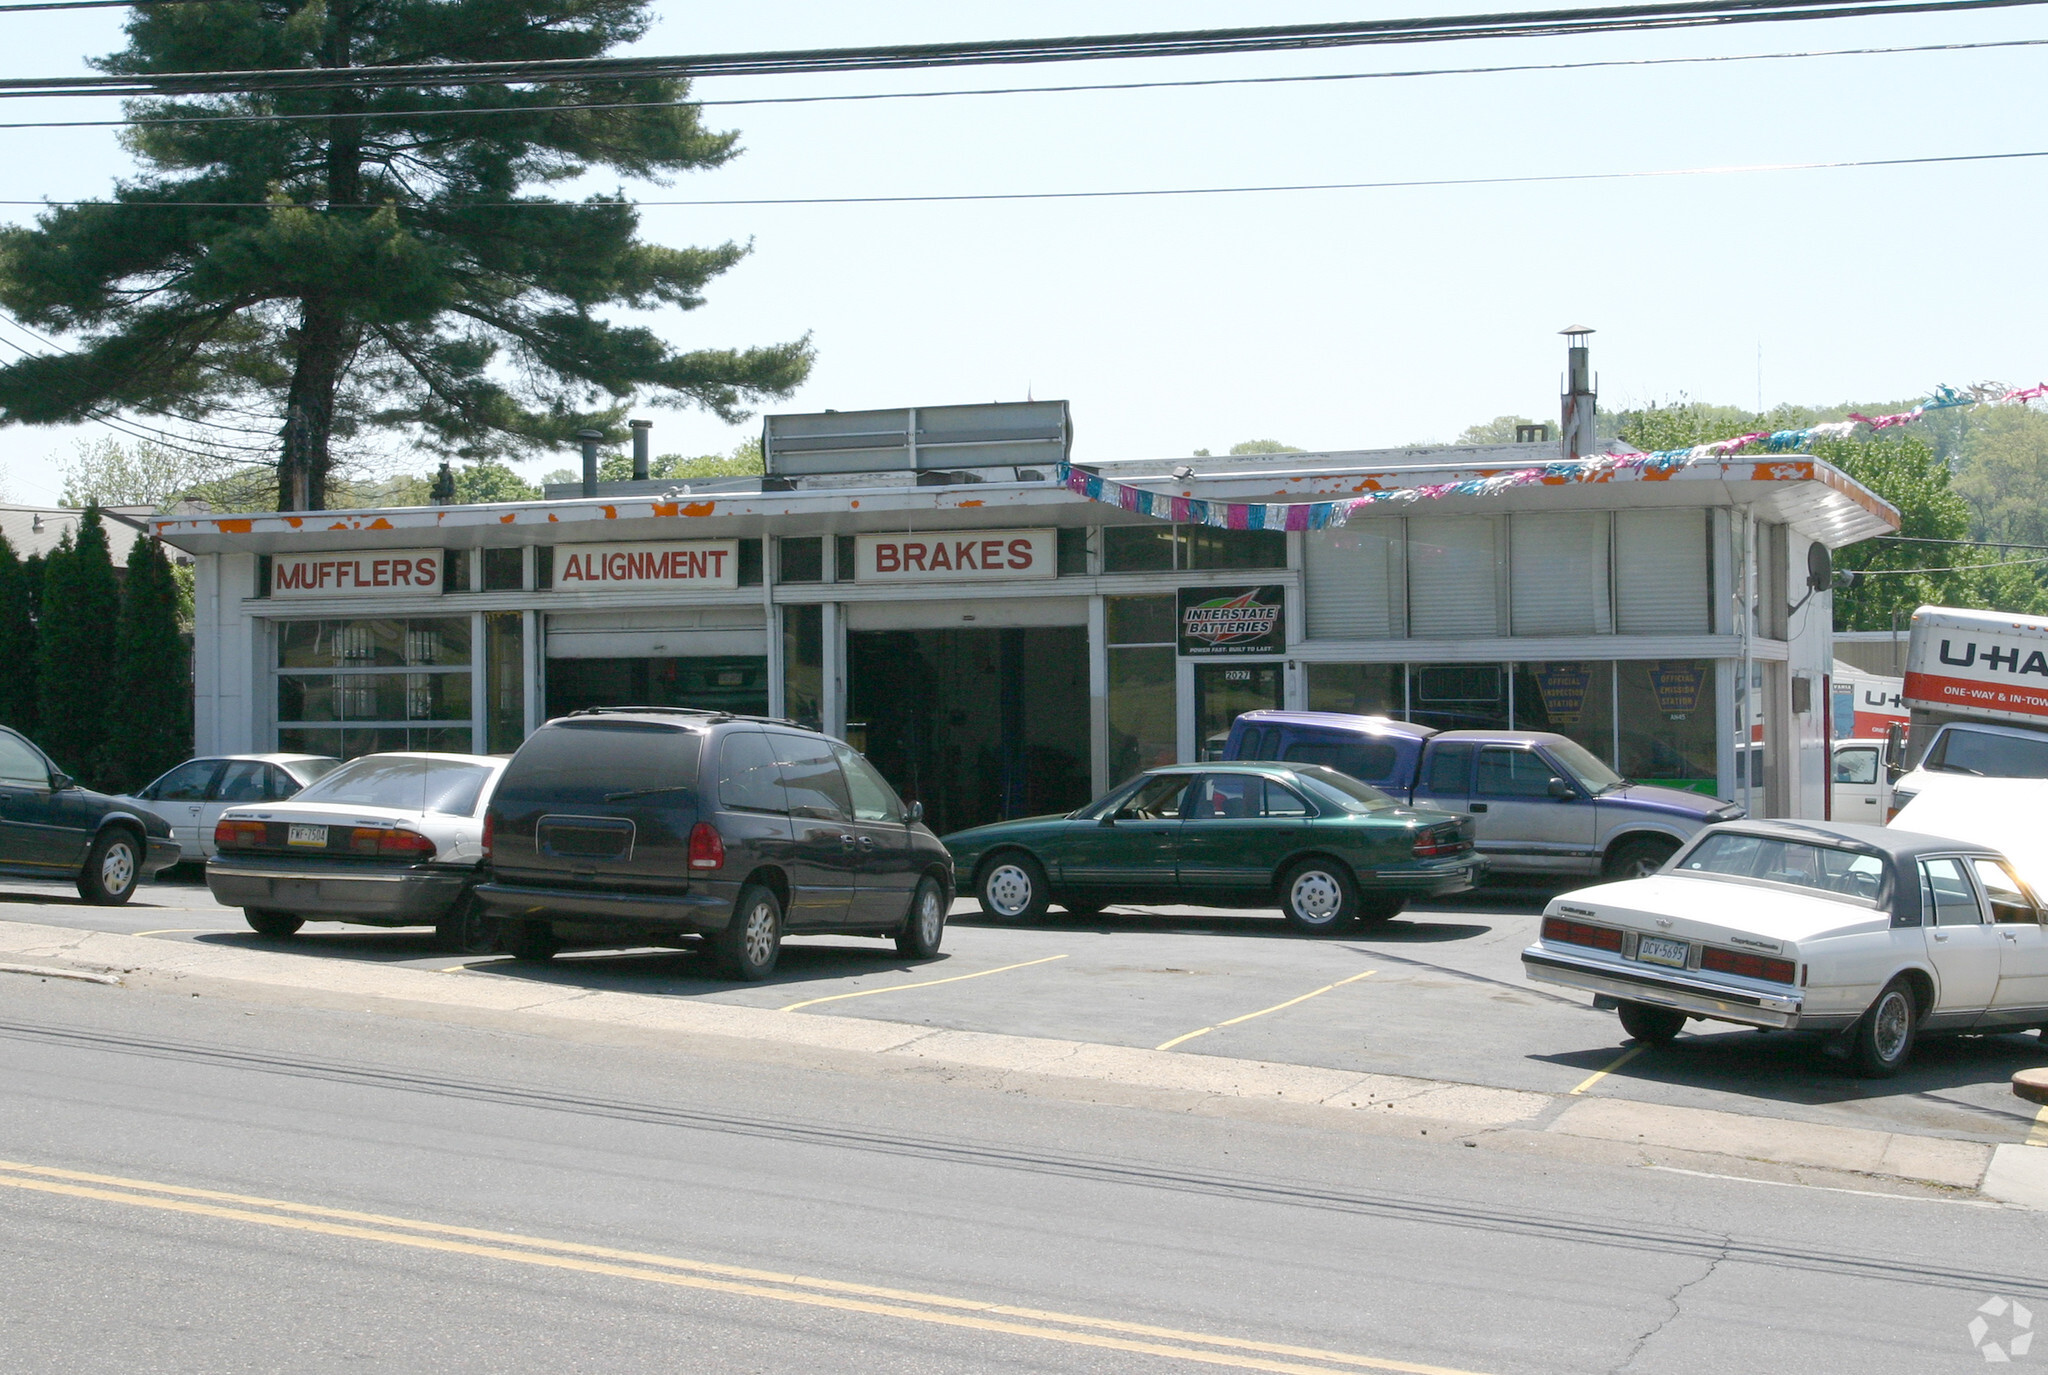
(1409, 927)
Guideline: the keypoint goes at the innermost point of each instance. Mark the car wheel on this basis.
(1653, 1026)
(1319, 897)
(265, 922)
(530, 941)
(1376, 909)
(925, 927)
(467, 928)
(1638, 858)
(1884, 1038)
(111, 869)
(752, 941)
(1012, 888)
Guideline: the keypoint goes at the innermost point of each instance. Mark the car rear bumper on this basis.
(1694, 996)
(705, 907)
(1449, 876)
(390, 897)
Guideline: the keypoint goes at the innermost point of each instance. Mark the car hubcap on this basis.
(117, 870)
(1316, 897)
(929, 918)
(1889, 1033)
(1009, 890)
(760, 934)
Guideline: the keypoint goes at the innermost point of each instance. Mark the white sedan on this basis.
(1871, 932)
(384, 840)
(194, 794)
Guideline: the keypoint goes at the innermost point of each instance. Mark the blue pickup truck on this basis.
(1541, 803)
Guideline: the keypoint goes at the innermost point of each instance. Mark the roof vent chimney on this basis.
(1581, 396)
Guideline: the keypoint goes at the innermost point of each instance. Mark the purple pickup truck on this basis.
(1542, 803)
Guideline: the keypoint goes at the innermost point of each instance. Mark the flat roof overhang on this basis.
(1816, 500)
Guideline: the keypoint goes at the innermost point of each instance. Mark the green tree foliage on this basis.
(149, 717)
(744, 461)
(1262, 446)
(81, 607)
(2004, 474)
(486, 480)
(1499, 430)
(17, 644)
(356, 265)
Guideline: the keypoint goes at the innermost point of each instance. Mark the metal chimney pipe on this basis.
(590, 440)
(1581, 399)
(640, 429)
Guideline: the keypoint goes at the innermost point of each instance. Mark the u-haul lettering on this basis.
(598, 567)
(955, 556)
(365, 573)
(1978, 663)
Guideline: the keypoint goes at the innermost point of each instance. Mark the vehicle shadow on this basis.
(1413, 927)
(1796, 1068)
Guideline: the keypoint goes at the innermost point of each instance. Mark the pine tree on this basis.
(149, 720)
(17, 642)
(375, 256)
(81, 611)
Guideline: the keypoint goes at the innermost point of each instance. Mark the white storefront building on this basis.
(919, 582)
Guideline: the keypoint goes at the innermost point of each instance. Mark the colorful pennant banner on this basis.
(1318, 515)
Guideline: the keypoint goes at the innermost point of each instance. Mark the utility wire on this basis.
(1970, 543)
(998, 52)
(1421, 183)
(183, 120)
(1959, 568)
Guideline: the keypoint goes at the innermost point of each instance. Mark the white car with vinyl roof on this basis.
(1871, 932)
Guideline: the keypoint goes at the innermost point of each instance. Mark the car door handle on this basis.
(1938, 936)
(1477, 807)
(846, 842)
(2009, 936)
(867, 842)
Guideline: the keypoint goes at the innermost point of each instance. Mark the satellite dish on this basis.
(1820, 568)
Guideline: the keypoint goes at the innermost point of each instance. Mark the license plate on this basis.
(308, 835)
(1657, 950)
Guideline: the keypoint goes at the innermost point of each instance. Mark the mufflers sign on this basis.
(362, 573)
(961, 556)
(1233, 620)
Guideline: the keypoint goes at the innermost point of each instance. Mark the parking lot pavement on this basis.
(1437, 993)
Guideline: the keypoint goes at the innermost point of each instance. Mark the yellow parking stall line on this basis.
(1596, 1076)
(1169, 1045)
(184, 931)
(2038, 1135)
(922, 983)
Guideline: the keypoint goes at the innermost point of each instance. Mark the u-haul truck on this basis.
(1977, 688)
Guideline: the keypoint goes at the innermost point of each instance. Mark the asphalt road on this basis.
(1438, 993)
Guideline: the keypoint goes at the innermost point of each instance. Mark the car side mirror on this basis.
(915, 813)
(1562, 791)
(60, 781)
(1894, 752)
(1106, 819)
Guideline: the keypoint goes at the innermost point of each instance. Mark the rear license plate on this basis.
(308, 835)
(1657, 950)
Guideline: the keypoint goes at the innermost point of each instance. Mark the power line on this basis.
(1959, 568)
(185, 120)
(1417, 184)
(997, 52)
(1970, 543)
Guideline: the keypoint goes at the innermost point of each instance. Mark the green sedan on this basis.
(1328, 850)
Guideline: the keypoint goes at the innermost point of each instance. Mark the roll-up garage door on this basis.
(658, 633)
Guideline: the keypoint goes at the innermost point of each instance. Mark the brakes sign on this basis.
(961, 556)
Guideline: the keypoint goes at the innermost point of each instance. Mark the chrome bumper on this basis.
(1673, 990)
(396, 897)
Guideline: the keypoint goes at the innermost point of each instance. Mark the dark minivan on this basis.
(640, 825)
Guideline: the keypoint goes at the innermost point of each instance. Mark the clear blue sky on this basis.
(1329, 319)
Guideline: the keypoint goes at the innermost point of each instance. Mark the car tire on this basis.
(1638, 858)
(1883, 1039)
(1319, 897)
(1011, 887)
(751, 942)
(530, 941)
(265, 922)
(1377, 909)
(467, 927)
(925, 926)
(112, 868)
(1653, 1026)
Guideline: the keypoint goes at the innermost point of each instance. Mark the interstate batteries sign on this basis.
(363, 573)
(1233, 620)
(622, 567)
(968, 556)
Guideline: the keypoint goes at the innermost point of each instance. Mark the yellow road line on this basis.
(1627, 1055)
(925, 983)
(1234, 1352)
(2038, 1134)
(1169, 1045)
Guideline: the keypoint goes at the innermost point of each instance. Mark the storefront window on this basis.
(1143, 724)
(1204, 546)
(1137, 549)
(456, 561)
(1575, 699)
(803, 665)
(1458, 696)
(803, 559)
(505, 676)
(1667, 723)
(336, 695)
(729, 682)
(1073, 551)
(1226, 691)
(504, 570)
(1361, 689)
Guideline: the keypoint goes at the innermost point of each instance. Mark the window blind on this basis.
(1453, 576)
(1353, 582)
(1661, 584)
(1559, 566)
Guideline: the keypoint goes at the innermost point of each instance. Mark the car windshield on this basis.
(1825, 869)
(1988, 754)
(383, 780)
(1583, 765)
(1342, 791)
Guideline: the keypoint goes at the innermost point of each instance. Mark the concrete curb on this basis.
(1471, 1108)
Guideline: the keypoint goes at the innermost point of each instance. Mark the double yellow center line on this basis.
(941, 1310)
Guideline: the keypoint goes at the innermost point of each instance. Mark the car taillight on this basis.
(389, 841)
(1747, 965)
(1439, 841)
(237, 835)
(1580, 933)
(707, 847)
(490, 831)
